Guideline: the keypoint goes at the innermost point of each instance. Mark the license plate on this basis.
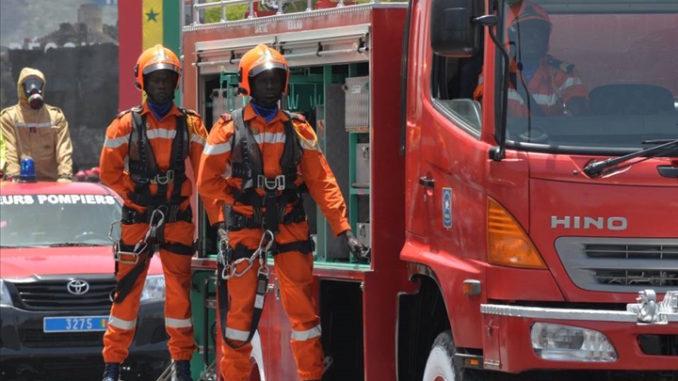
(74, 324)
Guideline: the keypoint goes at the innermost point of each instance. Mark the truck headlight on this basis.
(154, 289)
(5, 297)
(566, 343)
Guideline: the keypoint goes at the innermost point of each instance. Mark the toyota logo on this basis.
(77, 287)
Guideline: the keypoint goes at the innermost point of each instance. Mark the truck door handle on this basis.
(665, 171)
(427, 182)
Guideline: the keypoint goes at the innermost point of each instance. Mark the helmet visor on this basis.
(160, 66)
(267, 65)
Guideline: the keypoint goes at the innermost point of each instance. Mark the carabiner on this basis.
(264, 244)
(153, 215)
(234, 267)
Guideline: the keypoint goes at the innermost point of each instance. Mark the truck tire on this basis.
(440, 365)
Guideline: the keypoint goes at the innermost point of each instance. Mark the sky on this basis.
(36, 18)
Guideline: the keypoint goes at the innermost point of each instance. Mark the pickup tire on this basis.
(440, 364)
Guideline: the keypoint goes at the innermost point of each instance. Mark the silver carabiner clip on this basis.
(234, 267)
(265, 244)
(153, 215)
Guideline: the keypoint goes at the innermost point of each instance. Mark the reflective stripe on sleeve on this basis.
(572, 81)
(198, 139)
(306, 335)
(217, 149)
(121, 323)
(545, 99)
(236, 334)
(308, 145)
(178, 323)
(116, 142)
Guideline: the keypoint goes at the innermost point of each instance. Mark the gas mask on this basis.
(33, 91)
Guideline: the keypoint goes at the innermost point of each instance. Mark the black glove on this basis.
(354, 245)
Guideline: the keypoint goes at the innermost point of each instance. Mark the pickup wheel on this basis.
(440, 365)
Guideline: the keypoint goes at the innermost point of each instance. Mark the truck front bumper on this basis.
(644, 337)
(25, 350)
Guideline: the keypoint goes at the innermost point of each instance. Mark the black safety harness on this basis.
(160, 209)
(269, 213)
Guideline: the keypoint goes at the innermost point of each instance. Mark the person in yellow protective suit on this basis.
(258, 161)
(36, 130)
(143, 160)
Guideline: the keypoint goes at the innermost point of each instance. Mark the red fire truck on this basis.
(502, 242)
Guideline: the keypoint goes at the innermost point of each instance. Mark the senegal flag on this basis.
(142, 24)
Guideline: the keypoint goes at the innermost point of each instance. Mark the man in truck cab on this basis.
(538, 82)
(258, 160)
(143, 160)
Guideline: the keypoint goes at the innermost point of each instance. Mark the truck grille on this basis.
(659, 345)
(620, 264)
(53, 295)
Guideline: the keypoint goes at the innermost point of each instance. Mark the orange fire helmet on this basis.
(259, 59)
(153, 59)
(526, 10)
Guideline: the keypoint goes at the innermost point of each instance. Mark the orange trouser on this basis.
(295, 274)
(177, 270)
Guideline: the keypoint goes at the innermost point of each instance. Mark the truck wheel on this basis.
(439, 365)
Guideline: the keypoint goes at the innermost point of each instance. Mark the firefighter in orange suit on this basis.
(549, 86)
(143, 160)
(258, 160)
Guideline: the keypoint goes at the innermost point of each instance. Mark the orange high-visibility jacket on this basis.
(552, 86)
(160, 135)
(215, 181)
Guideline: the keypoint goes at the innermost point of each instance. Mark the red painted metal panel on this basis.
(505, 283)
(383, 284)
(129, 48)
(599, 198)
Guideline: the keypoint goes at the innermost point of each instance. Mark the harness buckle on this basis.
(164, 179)
(271, 184)
(129, 257)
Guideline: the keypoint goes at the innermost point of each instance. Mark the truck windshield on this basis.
(594, 76)
(57, 220)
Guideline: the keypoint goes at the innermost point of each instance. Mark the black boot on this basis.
(111, 372)
(182, 371)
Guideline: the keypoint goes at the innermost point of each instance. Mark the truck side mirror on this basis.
(454, 33)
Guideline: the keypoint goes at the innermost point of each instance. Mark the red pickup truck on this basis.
(56, 274)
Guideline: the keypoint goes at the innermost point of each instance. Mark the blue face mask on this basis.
(159, 110)
(265, 112)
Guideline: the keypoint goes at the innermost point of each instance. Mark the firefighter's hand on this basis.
(354, 245)
(222, 231)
